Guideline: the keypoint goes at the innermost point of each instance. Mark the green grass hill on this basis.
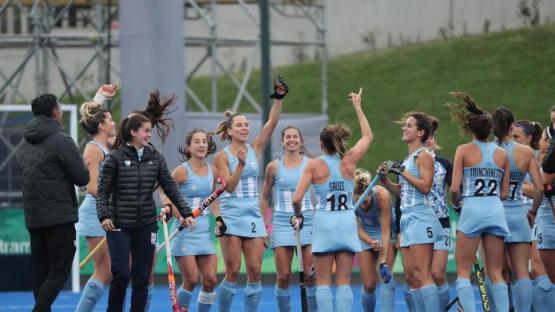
(515, 69)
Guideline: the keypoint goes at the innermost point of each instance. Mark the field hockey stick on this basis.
(481, 285)
(301, 270)
(171, 277)
(367, 191)
(198, 211)
(92, 253)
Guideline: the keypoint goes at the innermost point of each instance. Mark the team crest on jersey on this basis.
(127, 163)
(254, 165)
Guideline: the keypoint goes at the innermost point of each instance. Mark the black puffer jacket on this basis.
(126, 186)
(50, 167)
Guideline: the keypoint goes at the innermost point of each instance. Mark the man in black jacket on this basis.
(50, 166)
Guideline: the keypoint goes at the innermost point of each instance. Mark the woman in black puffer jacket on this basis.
(125, 203)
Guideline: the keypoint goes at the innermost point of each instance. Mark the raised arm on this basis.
(267, 189)
(280, 91)
(361, 147)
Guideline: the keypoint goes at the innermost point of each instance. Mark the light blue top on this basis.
(336, 193)
(517, 177)
(483, 179)
(370, 219)
(410, 196)
(285, 184)
(247, 186)
(197, 187)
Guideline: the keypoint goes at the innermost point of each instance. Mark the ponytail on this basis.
(334, 138)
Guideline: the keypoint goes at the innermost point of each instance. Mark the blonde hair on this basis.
(362, 180)
(92, 114)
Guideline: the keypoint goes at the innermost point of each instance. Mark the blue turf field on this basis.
(23, 301)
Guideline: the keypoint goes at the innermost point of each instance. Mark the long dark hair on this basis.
(473, 119)
(532, 128)
(423, 122)
(155, 112)
(503, 119)
(304, 150)
(183, 149)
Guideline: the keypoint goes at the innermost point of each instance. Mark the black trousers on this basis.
(52, 251)
(140, 244)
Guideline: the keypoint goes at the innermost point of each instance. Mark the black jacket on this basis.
(50, 166)
(126, 186)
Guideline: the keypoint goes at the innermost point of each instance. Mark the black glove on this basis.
(280, 89)
(297, 219)
(223, 227)
(395, 167)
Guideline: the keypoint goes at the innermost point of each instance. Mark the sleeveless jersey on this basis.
(197, 188)
(483, 179)
(285, 184)
(410, 196)
(336, 193)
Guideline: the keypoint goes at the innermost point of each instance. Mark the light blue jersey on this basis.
(285, 184)
(419, 224)
(240, 208)
(335, 227)
(515, 207)
(482, 209)
(198, 241)
(88, 224)
(410, 196)
(370, 220)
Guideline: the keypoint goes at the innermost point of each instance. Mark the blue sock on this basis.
(92, 292)
(500, 293)
(536, 294)
(535, 306)
(430, 297)
(512, 295)
(368, 300)
(324, 298)
(523, 294)
(387, 296)
(253, 292)
(344, 298)
(546, 294)
(283, 298)
(443, 296)
(409, 299)
(466, 295)
(418, 302)
(225, 295)
(205, 300)
(489, 293)
(184, 297)
(311, 298)
(149, 296)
